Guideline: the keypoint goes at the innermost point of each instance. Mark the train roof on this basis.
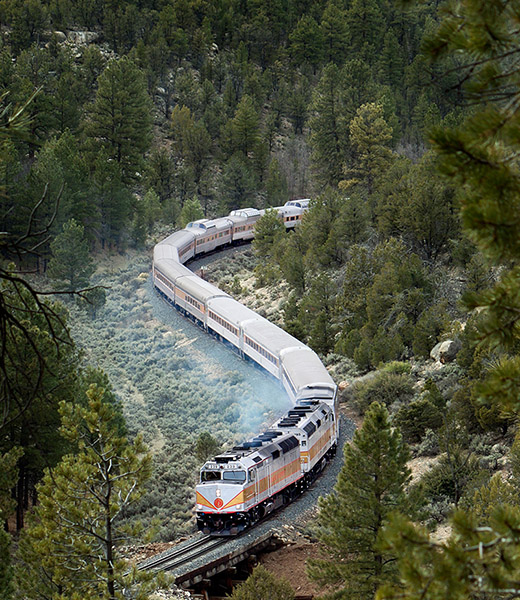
(206, 225)
(301, 203)
(230, 309)
(197, 287)
(305, 418)
(245, 212)
(168, 248)
(270, 336)
(288, 211)
(305, 369)
(171, 268)
(255, 450)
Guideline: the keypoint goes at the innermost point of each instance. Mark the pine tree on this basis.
(71, 547)
(245, 126)
(306, 42)
(262, 585)
(370, 136)
(268, 229)
(39, 370)
(480, 558)
(370, 486)
(206, 447)
(8, 474)
(191, 211)
(71, 263)
(119, 119)
(335, 33)
(366, 26)
(328, 127)
(238, 184)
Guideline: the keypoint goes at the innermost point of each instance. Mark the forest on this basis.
(122, 121)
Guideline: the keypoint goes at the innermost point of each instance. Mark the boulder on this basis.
(435, 352)
(82, 38)
(446, 351)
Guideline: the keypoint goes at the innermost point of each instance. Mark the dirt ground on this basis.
(289, 562)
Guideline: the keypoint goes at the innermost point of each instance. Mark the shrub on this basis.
(415, 418)
(429, 445)
(385, 388)
(398, 367)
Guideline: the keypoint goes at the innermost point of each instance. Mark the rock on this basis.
(59, 35)
(435, 352)
(343, 385)
(82, 38)
(448, 350)
(445, 352)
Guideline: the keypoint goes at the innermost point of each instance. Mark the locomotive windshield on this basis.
(210, 476)
(234, 476)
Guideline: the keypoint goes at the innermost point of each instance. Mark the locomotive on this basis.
(240, 486)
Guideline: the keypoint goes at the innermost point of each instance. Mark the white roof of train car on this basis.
(206, 224)
(304, 368)
(228, 308)
(301, 203)
(168, 248)
(245, 212)
(172, 269)
(288, 211)
(200, 289)
(270, 336)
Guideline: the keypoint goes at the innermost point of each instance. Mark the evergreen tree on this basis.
(366, 26)
(39, 370)
(328, 127)
(370, 486)
(268, 229)
(480, 559)
(191, 211)
(238, 184)
(8, 474)
(335, 33)
(306, 42)
(113, 199)
(62, 169)
(369, 136)
(262, 585)
(245, 127)
(119, 119)
(320, 230)
(71, 547)
(71, 263)
(275, 185)
(206, 447)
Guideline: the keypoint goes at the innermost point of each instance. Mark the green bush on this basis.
(398, 367)
(415, 418)
(385, 388)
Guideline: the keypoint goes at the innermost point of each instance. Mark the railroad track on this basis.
(184, 555)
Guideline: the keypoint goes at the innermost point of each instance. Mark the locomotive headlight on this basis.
(239, 507)
(200, 507)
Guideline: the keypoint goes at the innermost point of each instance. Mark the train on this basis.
(240, 486)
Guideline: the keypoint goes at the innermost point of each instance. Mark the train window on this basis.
(304, 443)
(210, 476)
(252, 475)
(275, 454)
(234, 476)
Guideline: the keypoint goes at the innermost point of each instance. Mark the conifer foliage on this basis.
(370, 486)
(71, 547)
(262, 585)
(481, 557)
